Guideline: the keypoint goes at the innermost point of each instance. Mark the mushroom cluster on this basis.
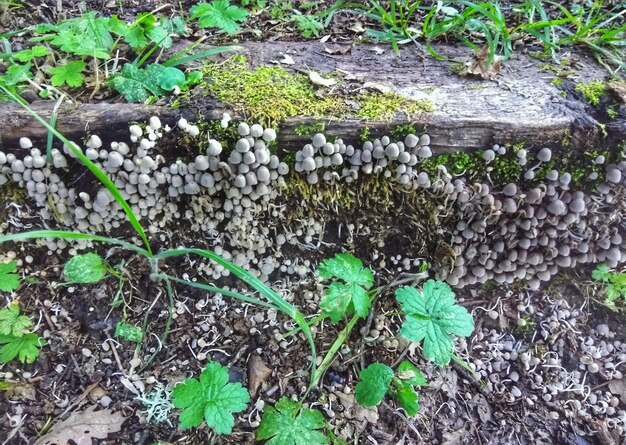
(336, 160)
(502, 233)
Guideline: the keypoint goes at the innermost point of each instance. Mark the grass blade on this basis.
(245, 276)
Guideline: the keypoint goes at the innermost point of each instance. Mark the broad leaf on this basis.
(409, 374)
(211, 398)
(9, 281)
(87, 268)
(219, 14)
(137, 84)
(374, 384)
(408, 399)
(171, 77)
(11, 322)
(433, 317)
(25, 348)
(289, 424)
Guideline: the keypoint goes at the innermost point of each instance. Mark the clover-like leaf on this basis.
(9, 280)
(86, 268)
(11, 322)
(349, 292)
(219, 14)
(212, 398)
(374, 384)
(69, 73)
(25, 348)
(433, 317)
(289, 424)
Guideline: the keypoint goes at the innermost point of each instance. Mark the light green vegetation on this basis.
(593, 91)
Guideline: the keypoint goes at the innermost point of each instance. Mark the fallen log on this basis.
(520, 104)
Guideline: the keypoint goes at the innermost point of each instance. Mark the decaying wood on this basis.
(521, 104)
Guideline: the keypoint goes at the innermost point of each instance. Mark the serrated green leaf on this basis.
(9, 281)
(289, 424)
(138, 84)
(25, 348)
(432, 317)
(86, 268)
(87, 35)
(348, 268)
(601, 272)
(16, 74)
(12, 323)
(27, 55)
(219, 14)
(374, 384)
(171, 77)
(408, 399)
(212, 398)
(70, 74)
(128, 332)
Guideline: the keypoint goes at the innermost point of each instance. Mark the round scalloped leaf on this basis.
(87, 268)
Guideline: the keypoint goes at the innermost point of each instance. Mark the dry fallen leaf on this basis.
(21, 391)
(337, 49)
(483, 407)
(380, 87)
(258, 372)
(321, 81)
(480, 67)
(82, 426)
(287, 60)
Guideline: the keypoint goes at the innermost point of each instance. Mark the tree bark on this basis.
(519, 105)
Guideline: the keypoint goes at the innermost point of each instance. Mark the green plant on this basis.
(219, 14)
(592, 91)
(378, 379)
(289, 423)
(86, 268)
(155, 261)
(432, 317)
(348, 292)
(70, 73)
(212, 398)
(139, 84)
(128, 332)
(614, 282)
(9, 280)
(309, 25)
(14, 335)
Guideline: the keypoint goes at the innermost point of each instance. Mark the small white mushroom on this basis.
(25, 142)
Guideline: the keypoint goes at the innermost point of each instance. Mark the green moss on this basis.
(400, 132)
(365, 134)
(612, 112)
(269, 94)
(379, 106)
(557, 81)
(592, 91)
(309, 129)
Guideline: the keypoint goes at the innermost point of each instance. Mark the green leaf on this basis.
(9, 281)
(171, 77)
(212, 398)
(128, 332)
(338, 296)
(309, 25)
(138, 84)
(601, 273)
(70, 74)
(25, 348)
(432, 317)
(27, 55)
(16, 74)
(408, 399)
(348, 268)
(219, 14)
(87, 268)
(289, 424)
(86, 35)
(374, 384)
(11, 322)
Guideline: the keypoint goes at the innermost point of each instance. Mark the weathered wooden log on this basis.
(521, 104)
